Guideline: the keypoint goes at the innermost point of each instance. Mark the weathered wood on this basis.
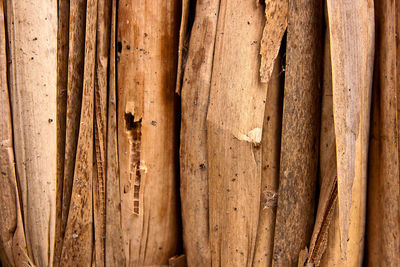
(147, 135)
(33, 90)
(62, 84)
(276, 12)
(114, 252)
(234, 128)
(78, 239)
(351, 25)
(271, 146)
(76, 54)
(383, 225)
(300, 132)
(327, 168)
(100, 131)
(193, 151)
(12, 237)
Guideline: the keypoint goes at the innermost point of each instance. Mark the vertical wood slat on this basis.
(147, 129)
(351, 25)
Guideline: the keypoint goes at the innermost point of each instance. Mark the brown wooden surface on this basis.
(147, 129)
(300, 132)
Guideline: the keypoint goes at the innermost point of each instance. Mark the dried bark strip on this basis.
(234, 128)
(193, 150)
(276, 12)
(383, 225)
(327, 150)
(101, 85)
(114, 252)
(183, 40)
(147, 46)
(300, 132)
(76, 56)
(12, 237)
(351, 25)
(271, 145)
(77, 246)
(33, 83)
(62, 84)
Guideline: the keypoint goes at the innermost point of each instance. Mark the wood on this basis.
(383, 223)
(33, 48)
(193, 151)
(327, 202)
(234, 128)
(100, 131)
(147, 136)
(12, 237)
(276, 13)
(78, 240)
(300, 132)
(114, 252)
(62, 84)
(352, 64)
(76, 55)
(271, 146)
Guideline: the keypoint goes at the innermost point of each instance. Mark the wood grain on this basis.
(147, 136)
(33, 90)
(271, 146)
(383, 225)
(234, 129)
(351, 25)
(193, 150)
(78, 239)
(300, 132)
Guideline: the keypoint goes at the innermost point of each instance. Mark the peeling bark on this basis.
(351, 25)
(193, 150)
(78, 239)
(300, 132)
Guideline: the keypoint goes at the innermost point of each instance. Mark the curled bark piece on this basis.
(300, 132)
(147, 46)
(77, 245)
(383, 225)
(193, 150)
(234, 126)
(276, 12)
(351, 25)
(33, 90)
(271, 145)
